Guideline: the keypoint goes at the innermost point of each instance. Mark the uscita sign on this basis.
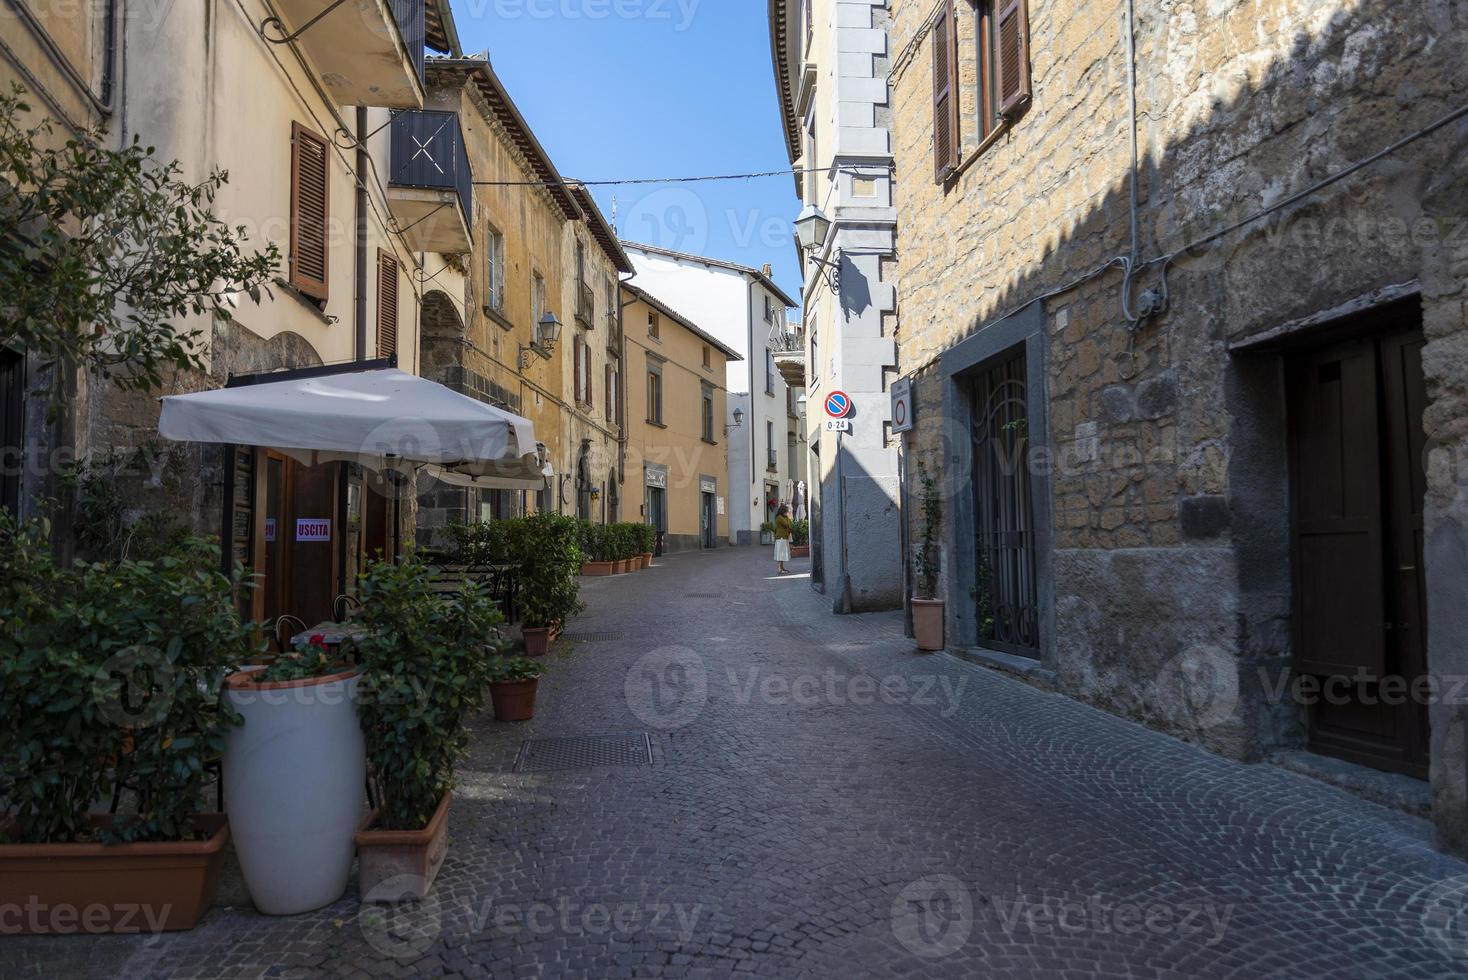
(313, 529)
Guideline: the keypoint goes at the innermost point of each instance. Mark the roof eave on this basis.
(780, 59)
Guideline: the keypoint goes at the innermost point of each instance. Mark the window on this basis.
(310, 197)
(708, 412)
(652, 324)
(769, 309)
(1001, 65)
(582, 370)
(769, 371)
(655, 393)
(537, 297)
(707, 360)
(613, 370)
(387, 304)
(612, 309)
(495, 284)
(815, 359)
(771, 459)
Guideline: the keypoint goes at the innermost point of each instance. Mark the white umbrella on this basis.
(383, 419)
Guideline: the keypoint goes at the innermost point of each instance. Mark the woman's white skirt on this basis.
(782, 549)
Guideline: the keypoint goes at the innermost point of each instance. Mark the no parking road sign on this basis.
(838, 404)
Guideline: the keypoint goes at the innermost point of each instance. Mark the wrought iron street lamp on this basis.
(812, 229)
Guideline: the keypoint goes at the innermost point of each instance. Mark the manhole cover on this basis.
(593, 637)
(584, 752)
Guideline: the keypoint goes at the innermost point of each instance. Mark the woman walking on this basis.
(783, 524)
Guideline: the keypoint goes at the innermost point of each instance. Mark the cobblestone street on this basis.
(822, 801)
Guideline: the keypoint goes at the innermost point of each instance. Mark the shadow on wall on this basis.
(1165, 447)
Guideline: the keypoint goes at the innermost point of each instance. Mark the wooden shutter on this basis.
(1335, 470)
(579, 355)
(1012, 54)
(945, 93)
(387, 304)
(310, 196)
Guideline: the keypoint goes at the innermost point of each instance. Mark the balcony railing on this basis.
(411, 16)
(585, 306)
(428, 151)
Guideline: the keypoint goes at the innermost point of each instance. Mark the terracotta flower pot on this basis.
(294, 778)
(513, 700)
(647, 559)
(111, 888)
(412, 856)
(537, 640)
(596, 568)
(927, 623)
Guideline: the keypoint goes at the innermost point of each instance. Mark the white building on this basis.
(745, 310)
(831, 62)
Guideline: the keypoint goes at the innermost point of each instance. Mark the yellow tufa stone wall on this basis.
(1169, 534)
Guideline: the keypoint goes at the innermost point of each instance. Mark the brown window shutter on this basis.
(1012, 54)
(310, 196)
(577, 348)
(945, 93)
(387, 304)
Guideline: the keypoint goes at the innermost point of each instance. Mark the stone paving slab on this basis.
(823, 801)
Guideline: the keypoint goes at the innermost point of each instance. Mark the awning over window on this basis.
(382, 419)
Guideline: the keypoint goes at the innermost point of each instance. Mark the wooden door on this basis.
(1356, 462)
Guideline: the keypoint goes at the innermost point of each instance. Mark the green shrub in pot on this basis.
(800, 532)
(111, 671)
(647, 537)
(546, 552)
(426, 657)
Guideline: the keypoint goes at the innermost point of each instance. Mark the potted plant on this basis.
(767, 533)
(294, 774)
(615, 548)
(546, 554)
(110, 675)
(427, 657)
(800, 539)
(647, 537)
(594, 546)
(927, 608)
(512, 685)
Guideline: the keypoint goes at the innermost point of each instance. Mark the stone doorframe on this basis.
(1024, 329)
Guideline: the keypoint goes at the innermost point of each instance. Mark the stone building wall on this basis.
(1163, 446)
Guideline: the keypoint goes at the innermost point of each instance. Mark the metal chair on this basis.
(286, 626)
(344, 606)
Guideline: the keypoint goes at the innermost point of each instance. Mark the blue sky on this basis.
(654, 88)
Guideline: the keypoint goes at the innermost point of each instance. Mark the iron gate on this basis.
(1006, 593)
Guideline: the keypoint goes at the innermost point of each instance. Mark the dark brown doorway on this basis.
(1356, 479)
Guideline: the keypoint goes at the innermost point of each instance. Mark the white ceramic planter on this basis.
(294, 787)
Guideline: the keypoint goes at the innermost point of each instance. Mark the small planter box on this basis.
(412, 856)
(596, 568)
(538, 640)
(647, 559)
(163, 886)
(927, 623)
(800, 551)
(513, 700)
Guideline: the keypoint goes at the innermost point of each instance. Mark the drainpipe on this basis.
(360, 344)
(359, 341)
